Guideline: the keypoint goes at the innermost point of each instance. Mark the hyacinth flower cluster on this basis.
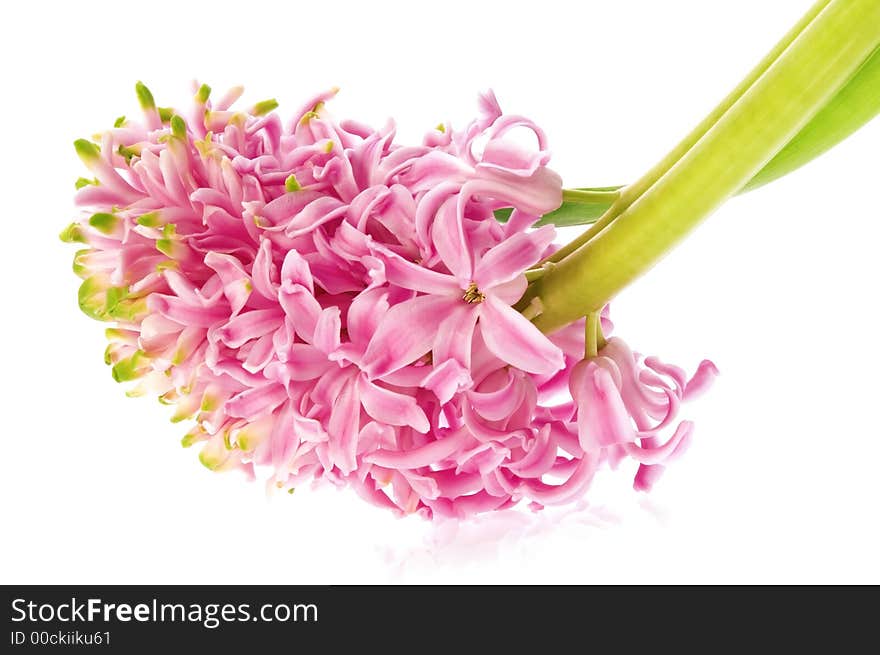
(327, 304)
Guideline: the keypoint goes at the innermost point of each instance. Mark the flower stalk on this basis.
(655, 214)
(632, 192)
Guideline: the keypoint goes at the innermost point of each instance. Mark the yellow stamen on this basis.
(472, 294)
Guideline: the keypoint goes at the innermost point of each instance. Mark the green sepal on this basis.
(193, 436)
(127, 152)
(203, 94)
(127, 309)
(87, 151)
(91, 297)
(79, 268)
(150, 219)
(165, 246)
(291, 184)
(168, 245)
(72, 234)
(264, 107)
(104, 222)
(114, 296)
(178, 127)
(129, 368)
(144, 96)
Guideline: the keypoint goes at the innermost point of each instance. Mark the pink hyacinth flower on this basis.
(332, 306)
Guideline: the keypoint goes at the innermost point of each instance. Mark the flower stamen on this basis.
(472, 294)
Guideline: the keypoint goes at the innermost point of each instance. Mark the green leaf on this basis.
(570, 213)
(853, 106)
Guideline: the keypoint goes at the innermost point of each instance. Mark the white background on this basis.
(778, 288)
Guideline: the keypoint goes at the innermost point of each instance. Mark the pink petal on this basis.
(510, 258)
(283, 209)
(172, 308)
(510, 292)
(701, 381)
(539, 458)
(264, 271)
(250, 325)
(576, 485)
(430, 453)
(455, 333)
(306, 362)
(261, 353)
(391, 407)
(482, 457)
(406, 333)
(283, 438)
(447, 379)
(236, 281)
(602, 417)
(369, 491)
(315, 214)
(302, 310)
(515, 340)
(647, 476)
(451, 243)
(365, 315)
(504, 155)
(405, 274)
(483, 432)
(537, 194)
(343, 427)
(477, 503)
(659, 454)
(499, 404)
(295, 270)
(257, 401)
(327, 330)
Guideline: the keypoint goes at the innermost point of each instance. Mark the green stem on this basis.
(535, 274)
(592, 331)
(634, 191)
(756, 127)
(856, 104)
(589, 197)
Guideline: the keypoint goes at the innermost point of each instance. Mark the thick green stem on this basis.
(632, 192)
(755, 128)
(856, 104)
